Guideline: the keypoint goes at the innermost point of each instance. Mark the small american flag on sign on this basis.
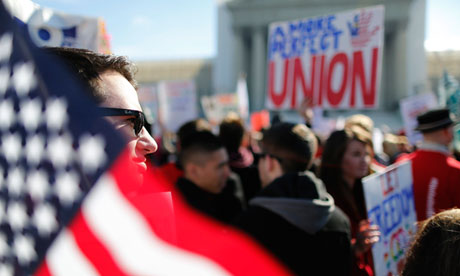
(66, 188)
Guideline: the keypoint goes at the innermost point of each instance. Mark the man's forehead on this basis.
(118, 91)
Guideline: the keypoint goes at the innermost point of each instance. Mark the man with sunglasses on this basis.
(293, 216)
(111, 83)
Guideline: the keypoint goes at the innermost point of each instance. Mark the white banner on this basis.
(48, 27)
(335, 60)
(410, 108)
(177, 103)
(216, 107)
(390, 204)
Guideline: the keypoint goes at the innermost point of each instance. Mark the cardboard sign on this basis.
(390, 204)
(335, 60)
(411, 107)
(177, 103)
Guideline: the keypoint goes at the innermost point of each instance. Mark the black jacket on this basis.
(296, 219)
(223, 206)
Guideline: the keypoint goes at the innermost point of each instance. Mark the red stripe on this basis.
(43, 270)
(234, 251)
(92, 248)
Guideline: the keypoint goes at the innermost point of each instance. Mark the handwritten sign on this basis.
(410, 108)
(390, 204)
(48, 27)
(334, 60)
(177, 103)
(217, 106)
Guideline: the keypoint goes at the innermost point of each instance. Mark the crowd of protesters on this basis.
(299, 195)
(307, 208)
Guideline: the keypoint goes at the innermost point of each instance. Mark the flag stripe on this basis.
(105, 209)
(93, 249)
(64, 257)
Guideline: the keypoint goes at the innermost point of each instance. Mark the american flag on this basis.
(68, 201)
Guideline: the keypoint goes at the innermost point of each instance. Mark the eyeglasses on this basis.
(138, 120)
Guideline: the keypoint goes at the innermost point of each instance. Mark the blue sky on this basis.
(175, 29)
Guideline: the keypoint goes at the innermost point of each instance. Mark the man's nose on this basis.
(146, 142)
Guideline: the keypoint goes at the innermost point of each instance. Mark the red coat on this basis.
(436, 178)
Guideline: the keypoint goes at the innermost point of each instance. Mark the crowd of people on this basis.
(299, 195)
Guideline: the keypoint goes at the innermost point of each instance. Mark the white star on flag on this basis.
(6, 114)
(24, 248)
(17, 215)
(37, 184)
(4, 79)
(3, 246)
(11, 146)
(44, 219)
(91, 152)
(6, 46)
(15, 181)
(30, 114)
(35, 149)
(23, 78)
(67, 187)
(6, 270)
(2, 211)
(60, 150)
(56, 113)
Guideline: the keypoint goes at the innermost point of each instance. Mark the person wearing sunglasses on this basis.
(112, 85)
(293, 216)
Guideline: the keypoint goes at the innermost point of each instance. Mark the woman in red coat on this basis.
(345, 161)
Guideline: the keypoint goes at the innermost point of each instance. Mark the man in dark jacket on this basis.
(294, 216)
(205, 184)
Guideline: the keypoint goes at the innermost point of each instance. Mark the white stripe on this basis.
(64, 257)
(134, 246)
(430, 197)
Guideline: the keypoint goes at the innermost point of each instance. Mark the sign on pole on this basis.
(177, 103)
(48, 27)
(390, 204)
(217, 106)
(335, 60)
(410, 108)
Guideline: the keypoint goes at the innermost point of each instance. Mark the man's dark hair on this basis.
(197, 144)
(231, 132)
(293, 144)
(89, 65)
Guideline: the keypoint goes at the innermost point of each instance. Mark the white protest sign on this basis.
(48, 27)
(243, 99)
(335, 60)
(390, 204)
(216, 107)
(177, 103)
(411, 107)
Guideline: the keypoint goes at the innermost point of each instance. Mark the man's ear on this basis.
(190, 170)
(274, 165)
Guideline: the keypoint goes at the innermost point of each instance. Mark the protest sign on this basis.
(48, 27)
(335, 59)
(390, 204)
(411, 107)
(148, 98)
(260, 120)
(216, 107)
(177, 103)
(243, 99)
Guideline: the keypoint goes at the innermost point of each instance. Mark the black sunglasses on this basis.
(139, 117)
